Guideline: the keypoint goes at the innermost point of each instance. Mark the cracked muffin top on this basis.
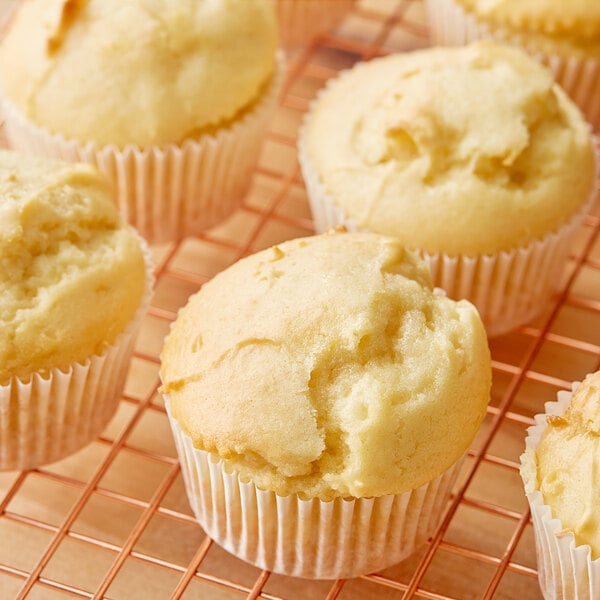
(327, 366)
(466, 151)
(144, 72)
(72, 273)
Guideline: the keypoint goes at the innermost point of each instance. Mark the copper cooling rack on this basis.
(113, 521)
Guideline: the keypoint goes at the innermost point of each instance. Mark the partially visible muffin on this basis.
(563, 35)
(462, 153)
(567, 458)
(321, 370)
(74, 283)
(559, 470)
(151, 93)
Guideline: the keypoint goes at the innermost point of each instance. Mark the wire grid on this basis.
(113, 521)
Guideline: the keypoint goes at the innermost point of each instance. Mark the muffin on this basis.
(559, 468)
(321, 396)
(75, 283)
(564, 36)
(171, 103)
(302, 20)
(473, 156)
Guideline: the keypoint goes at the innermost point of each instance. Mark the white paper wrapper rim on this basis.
(308, 538)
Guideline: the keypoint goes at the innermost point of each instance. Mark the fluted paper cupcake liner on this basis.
(312, 538)
(54, 414)
(451, 25)
(302, 20)
(566, 570)
(172, 191)
(508, 288)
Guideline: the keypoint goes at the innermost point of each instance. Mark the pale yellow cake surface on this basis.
(458, 150)
(144, 72)
(568, 464)
(72, 273)
(327, 366)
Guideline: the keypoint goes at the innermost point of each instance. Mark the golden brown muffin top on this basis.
(457, 150)
(327, 366)
(144, 72)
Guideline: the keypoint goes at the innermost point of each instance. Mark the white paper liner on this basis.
(308, 538)
(508, 288)
(566, 570)
(172, 191)
(450, 25)
(55, 414)
(302, 20)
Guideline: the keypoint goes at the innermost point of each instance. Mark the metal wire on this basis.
(121, 501)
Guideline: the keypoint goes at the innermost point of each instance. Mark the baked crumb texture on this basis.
(72, 273)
